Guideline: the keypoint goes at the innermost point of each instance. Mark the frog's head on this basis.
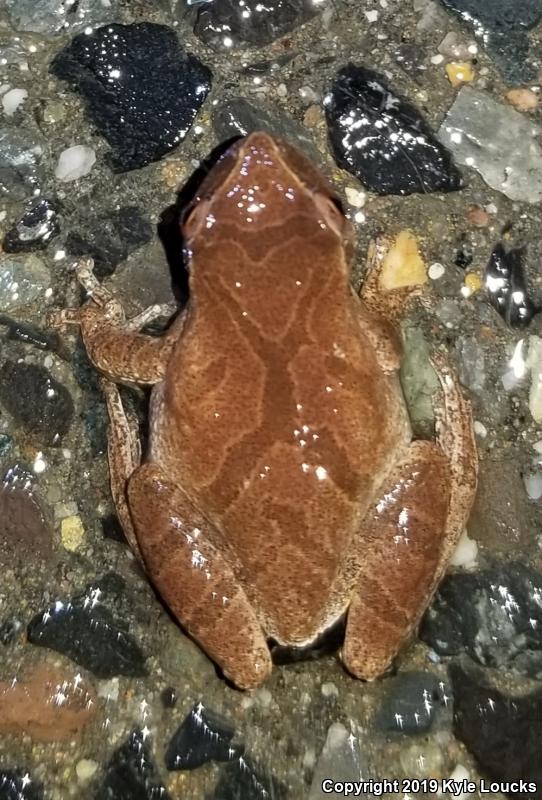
(264, 186)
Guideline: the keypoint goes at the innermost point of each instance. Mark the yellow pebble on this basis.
(473, 282)
(72, 532)
(459, 72)
(403, 264)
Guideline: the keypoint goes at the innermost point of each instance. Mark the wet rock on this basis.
(502, 26)
(418, 378)
(86, 631)
(30, 334)
(502, 732)
(228, 23)
(203, 736)
(340, 760)
(50, 16)
(19, 786)
(498, 142)
(109, 237)
(21, 157)
(494, 615)
(132, 773)
(382, 139)
(245, 780)
(23, 280)
(238, 117)
(507, 288)
(35, 229)
(143, 113)
(411, 703)
(47, 705)
(471, 363)
(24, 532)
(42, 405)
(6, 443)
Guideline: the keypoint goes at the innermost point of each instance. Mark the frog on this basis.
(282, 491)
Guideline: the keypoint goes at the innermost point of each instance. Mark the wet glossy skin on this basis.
(281, 488)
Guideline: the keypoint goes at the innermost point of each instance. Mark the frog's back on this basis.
(282, 423)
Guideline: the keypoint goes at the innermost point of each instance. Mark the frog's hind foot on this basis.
(60, 320)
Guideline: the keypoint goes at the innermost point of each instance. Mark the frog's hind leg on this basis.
(193, 571)
(124, 457)
(407, 539)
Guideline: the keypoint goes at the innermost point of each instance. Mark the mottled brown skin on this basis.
(281, 488)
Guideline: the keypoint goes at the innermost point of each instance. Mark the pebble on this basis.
(47, 705)
(453, 46)
(424, 760)
(506, 286)
(492, 615)
(382, 139)
(85, 769)
(72, 533)
(236, 116)
(410, 703)
(24, 533)
(23, 280)
(75, 163)
(498, 142)
(19, 786)
(228, 24)
(478, 216)
(533, 485)
(42, 405)
(12, 99)
(85, 630)
(51, 16)
(355, 197)
(502, 26)
(436, 271)
(534, 364)
(418, 378)
(132, 774)
(109, 236)
(460, 72)
(34, 230)
(501, 731)
(471, 363)
(465, 554)
(21, 163)
(340, 760)
(203, 736)
(143, 113)
(403, 264)
(522, 99)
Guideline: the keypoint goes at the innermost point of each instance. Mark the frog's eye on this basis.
(196, 218)
(331, 211)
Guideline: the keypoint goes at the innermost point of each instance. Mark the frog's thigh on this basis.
(124, 456)
(195, 578)
(397, 560)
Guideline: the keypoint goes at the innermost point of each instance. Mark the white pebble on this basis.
(537, 447)
(282, 90)
(355, 197)
(438, 59)
(12, 100)
(85, 769)
(436, 271)
(480, 429)
(75, 162)
(459, 775)
(40, 465)
(329, 690)
(466, 552)
(533, 485)
(372, 16)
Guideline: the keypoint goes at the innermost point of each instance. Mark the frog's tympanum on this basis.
(281, 490)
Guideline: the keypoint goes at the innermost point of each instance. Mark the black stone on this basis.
(494, 615)
(108, 238)
(169, 697)
(244, 780)
(502, 26)
(142, 91)
(32, 335)
(37, 227)
(203, 736)
(382, 139)
(507, 287)
(86, 631)
(36, 400)
(502, 732)
(132, 773)
(18, 786)
(411, 702)
(227, 24)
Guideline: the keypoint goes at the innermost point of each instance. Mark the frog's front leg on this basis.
(113, 343)
(197, 577)
(406, 540)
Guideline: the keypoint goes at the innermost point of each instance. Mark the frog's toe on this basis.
(60, 319)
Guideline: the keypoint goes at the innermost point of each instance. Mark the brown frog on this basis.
(281, 489)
